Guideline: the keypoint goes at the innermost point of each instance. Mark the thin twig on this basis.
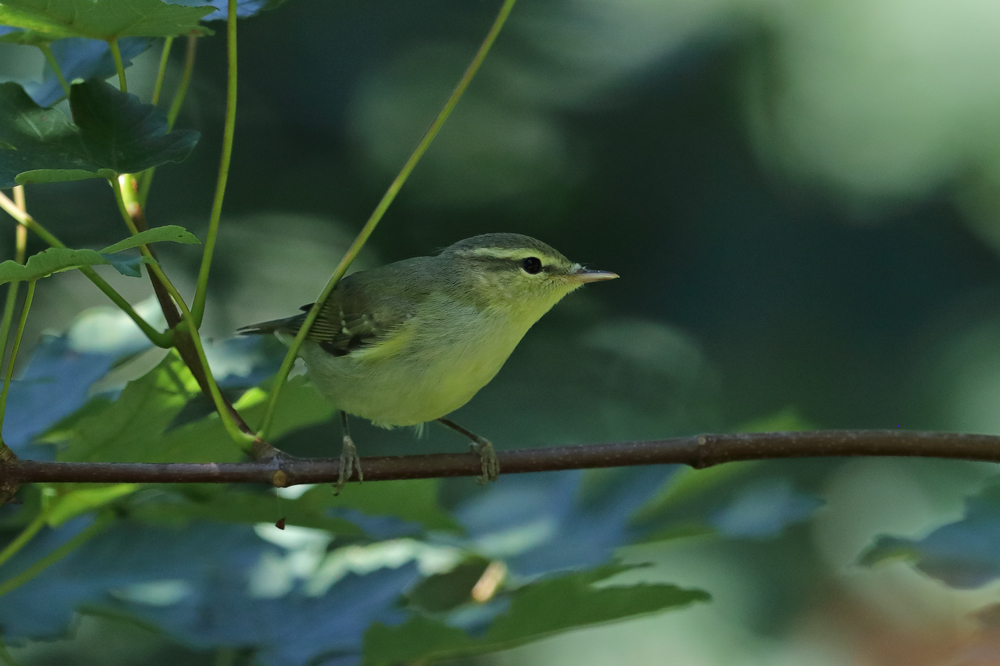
(54, 64)
(380, 209)
(186, 334)
(161, 73)
(119, 64)
(229, 130)
(698, 451)
(175, 108)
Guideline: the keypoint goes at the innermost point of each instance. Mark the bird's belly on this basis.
(413, 388)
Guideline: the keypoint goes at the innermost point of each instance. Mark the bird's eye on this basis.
(531, 265)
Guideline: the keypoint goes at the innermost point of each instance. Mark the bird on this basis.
(412, 341)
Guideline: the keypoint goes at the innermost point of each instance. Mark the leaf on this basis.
(129, 429)
(23, 37)
(964, 554)
(54, 385)
(127, 264)
(82, 58)
(536, 611)
(206, 440)
(47, 262)
(115, 133)
(102, 19)
(221, 504)
(540, 523)
(58, 259)
(168, 233)
(122, 133)
(85, 498)
(244, 8)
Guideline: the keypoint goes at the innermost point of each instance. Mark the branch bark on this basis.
(182, 343)
(698, 451)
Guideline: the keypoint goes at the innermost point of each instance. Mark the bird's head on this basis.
(517, 273)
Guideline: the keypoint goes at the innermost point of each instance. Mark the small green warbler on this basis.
(412, 341)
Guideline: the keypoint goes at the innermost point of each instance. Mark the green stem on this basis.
(186, 326)
(26, 535)
(20, 245)
(119, 65)
(160, 339)
(162, 72)
(55, 67)
(376, 216)
(62, 551)
(182, 87)
(175, 108)
(13, 352)
(198, 308)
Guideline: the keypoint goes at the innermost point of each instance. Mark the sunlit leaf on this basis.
(168, 233)
(85, 498)
(47, 262)
(130, 429)
(102, 19)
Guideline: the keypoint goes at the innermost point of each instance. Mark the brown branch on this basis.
(260, 450)
(697, 451)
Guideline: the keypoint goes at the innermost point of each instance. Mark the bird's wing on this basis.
(358, 313)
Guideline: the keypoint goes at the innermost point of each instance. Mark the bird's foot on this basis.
(491, 466)
(349, 461)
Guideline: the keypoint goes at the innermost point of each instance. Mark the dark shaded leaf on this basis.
(122, 133)
(115, 133)
(225, 505)
(536, 611)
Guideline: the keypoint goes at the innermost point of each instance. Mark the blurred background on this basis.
(802, 199)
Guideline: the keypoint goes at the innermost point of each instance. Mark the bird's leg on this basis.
(481, 446)
(349, 460)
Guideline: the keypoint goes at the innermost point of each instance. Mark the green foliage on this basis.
(76, 500)
(113, 133)
(131, 427)
(167, 233)
(58, 259)
(102, 19)
(220, 504)
(47, 262)
(536, 611)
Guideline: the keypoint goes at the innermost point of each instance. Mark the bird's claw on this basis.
(349, 461)
(491, 466)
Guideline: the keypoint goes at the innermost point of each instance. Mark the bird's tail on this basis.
(273, 326)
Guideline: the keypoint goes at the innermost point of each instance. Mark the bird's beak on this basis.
(583, 275)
